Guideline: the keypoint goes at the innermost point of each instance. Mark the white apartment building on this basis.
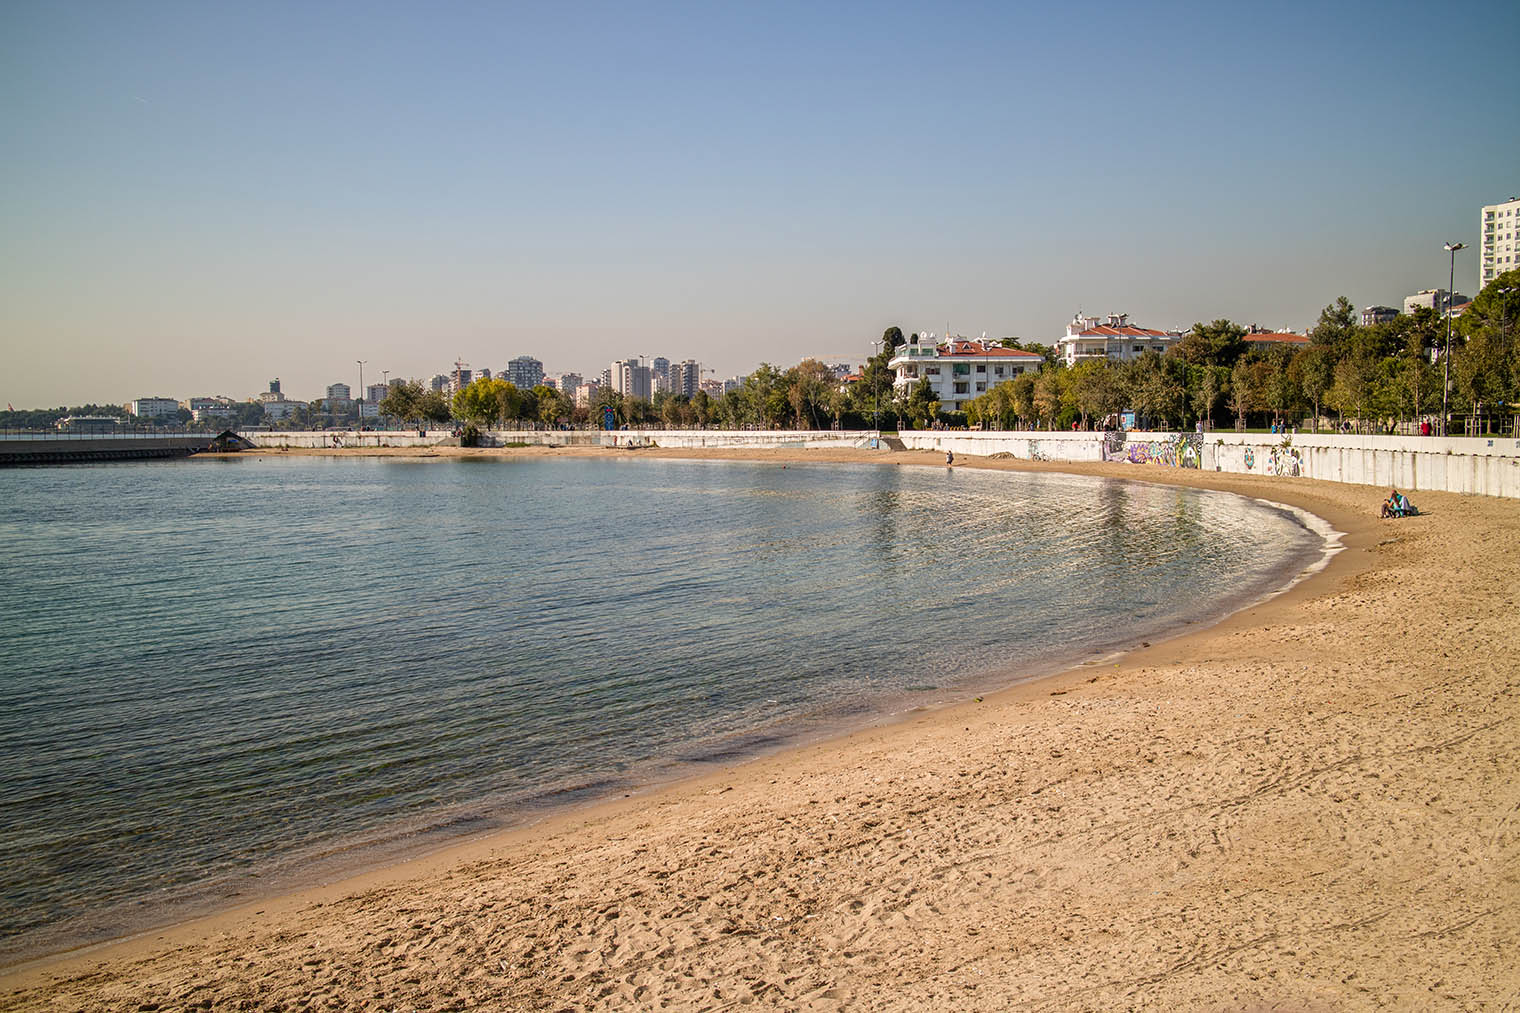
(1499, 232)
(685, 377)
(203, 408)
(958, 370)
(154, 407)
(1111, 337)
(630, 378)
(1437, 299)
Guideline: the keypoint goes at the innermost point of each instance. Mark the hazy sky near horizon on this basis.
(199, 196)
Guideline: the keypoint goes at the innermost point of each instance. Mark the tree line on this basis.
(1369, 378)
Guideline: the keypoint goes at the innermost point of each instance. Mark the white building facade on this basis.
(958, 370)
(1499, 232)
(154, 407)
(1111, 337)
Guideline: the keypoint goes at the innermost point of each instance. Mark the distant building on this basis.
(659, 374)
(206, 409)
(734, 383)
(585, 393)
(712, 388)
(278, 411)
(459, 378)
(686, 378)
(438, 383)
(1500, 232)
(339, 398)
(1437, 299)
(1263, 340)
(1378, 315)
(958, 370)
(631, 379)
(375, 392)
(525, 372)
(154, 408)
(1112, 337)
(569, 383)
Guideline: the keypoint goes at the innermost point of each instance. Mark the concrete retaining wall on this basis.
(1488, 466)
(1483, 465)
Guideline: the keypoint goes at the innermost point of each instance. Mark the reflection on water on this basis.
(221, 671)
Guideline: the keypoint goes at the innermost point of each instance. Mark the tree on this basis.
(434, 407)
(1157, 388)
(1205, 386)
(1244, 392)
(403, 401)
(1094, 390)
(551, 404)
(1337, 322)
(1050, 394)
(1350, 390)
(923, 404)
(1220, 343)
(1315, 366)
(1023, 396)
(808, 385)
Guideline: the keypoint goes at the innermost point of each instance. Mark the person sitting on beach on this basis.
(1398, 505)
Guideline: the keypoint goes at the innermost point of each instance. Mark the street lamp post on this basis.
(1452, 249)
(360, 426)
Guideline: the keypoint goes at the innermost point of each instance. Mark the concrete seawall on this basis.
(1488, 466)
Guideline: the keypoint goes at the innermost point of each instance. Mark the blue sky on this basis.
(197, 197)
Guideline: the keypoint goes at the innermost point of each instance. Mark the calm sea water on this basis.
(220, 676)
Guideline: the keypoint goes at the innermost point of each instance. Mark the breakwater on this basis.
(73, 448)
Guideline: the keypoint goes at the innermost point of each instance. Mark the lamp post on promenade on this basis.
(360, 425)
(1452, 249)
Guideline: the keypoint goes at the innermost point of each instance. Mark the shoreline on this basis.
(559, 833)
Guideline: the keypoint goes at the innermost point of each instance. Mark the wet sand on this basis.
(1312, 805)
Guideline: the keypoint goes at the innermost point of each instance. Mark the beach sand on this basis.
(1313, 805)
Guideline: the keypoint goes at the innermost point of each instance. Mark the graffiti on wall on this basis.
(1175, 450)
(1285, 460)
(1250, 458)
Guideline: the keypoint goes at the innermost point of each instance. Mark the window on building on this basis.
(981, 368)
(931, 371)
(981, 386)
(997, 370)
(962, 369)
(961, 386)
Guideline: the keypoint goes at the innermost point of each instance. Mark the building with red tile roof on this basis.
(1111, 337)
(958, 369)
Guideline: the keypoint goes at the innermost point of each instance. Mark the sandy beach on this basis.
(1313, 805)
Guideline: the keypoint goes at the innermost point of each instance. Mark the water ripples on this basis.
(216, 672)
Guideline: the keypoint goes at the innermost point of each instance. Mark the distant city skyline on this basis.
(198, 198)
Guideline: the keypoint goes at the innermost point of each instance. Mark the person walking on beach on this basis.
(949, 458)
